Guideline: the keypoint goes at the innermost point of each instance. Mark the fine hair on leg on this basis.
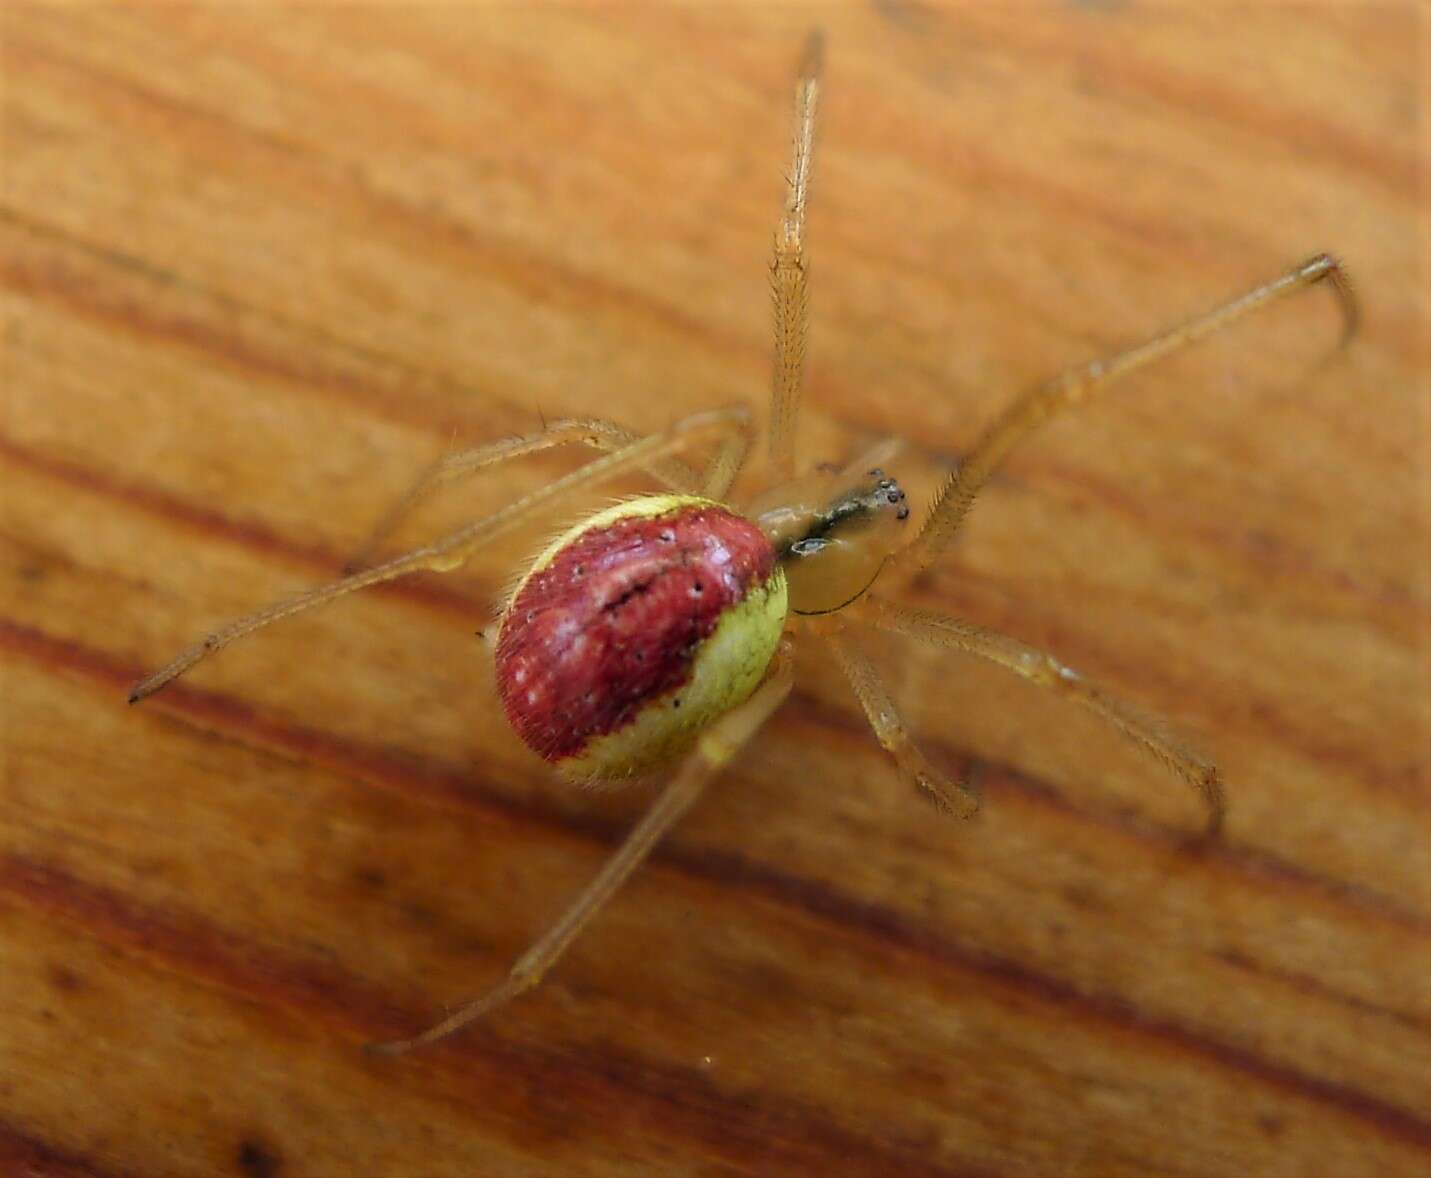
(597, 433)
(452, 550)
(789, 287)
(724, 466)
(714, 748)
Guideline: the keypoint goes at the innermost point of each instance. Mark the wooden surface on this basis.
(260, 266)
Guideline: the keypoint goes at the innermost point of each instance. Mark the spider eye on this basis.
(809, 546)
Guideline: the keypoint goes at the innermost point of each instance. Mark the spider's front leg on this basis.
(713, 749)
(1080, 385)
(789, 276)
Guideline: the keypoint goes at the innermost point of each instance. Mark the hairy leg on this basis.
(1047, 671)
(788, 275)
(452, 550)
(1079, 385)
(724, 466)
(954, 796)
(602, 435)
(714, 748)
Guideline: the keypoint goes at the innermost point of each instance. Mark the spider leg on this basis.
(1078, 385)
(724, 466)
(713, 749)
(954, 796)
(452, 550)
(1047, 671)
(788, 274)
(601, 435)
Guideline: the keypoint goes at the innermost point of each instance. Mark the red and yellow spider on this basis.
(658, 631)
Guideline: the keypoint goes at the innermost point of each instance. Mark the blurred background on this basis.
(263, 263)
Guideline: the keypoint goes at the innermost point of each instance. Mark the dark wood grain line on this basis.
(1272, 555)
(855, 916)
(231, 715)
(1405, 780)
(981, 168)
(1255, 867)
(1110, 1009)
(24, 1154)
(603, 1088)
(1304, 984)
(57, 280)
(250, 533)
(431, 592)
(538, 277)
(414, 775)
(1240, 109)
(351, 381)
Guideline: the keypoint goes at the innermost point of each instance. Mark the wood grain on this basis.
(259, 265)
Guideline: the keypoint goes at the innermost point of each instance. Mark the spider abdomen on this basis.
(636, 628)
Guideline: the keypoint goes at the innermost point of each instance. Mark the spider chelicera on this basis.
(658, 630)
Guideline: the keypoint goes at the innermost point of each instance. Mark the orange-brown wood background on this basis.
(260, 264)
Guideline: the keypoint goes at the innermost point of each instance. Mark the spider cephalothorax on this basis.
(654, 631)
(833, 531)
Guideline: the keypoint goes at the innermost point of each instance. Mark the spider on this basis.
(658, 631)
